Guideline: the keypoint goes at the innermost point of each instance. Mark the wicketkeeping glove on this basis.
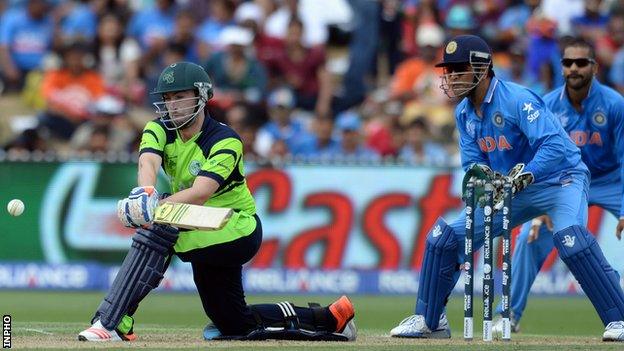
(138, 208)
(519, 178)
(479, 172)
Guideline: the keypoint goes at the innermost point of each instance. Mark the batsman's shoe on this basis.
(343, 311)
(211, 332)
(97, 332)
(414, 327)
(349, 331)
(614, 331)
(497, 328)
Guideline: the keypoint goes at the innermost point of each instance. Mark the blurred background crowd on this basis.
(328, 79)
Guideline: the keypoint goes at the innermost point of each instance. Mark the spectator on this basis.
(314, 28)
(184, 35)
(321, 144)
(562, 12)
(616, 73)
(460, 20)
(209, 32)
(417, 79)
(511, 24)
(118, 60)
(25, 38)
(516, 70)
(108, 129)
(612, 41)
(284, 124)
(28, 141)
(352, 146)
(68, 92)
(419, 149)
(152, 28)
(237, 75)
(592, 24)
(383, 132)
(78, 21)
(303, 69)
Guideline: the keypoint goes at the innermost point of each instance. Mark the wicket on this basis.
(488, 266)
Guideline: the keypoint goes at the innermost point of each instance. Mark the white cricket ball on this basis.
(15, 207)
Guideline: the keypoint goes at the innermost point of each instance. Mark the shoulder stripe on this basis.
(224, 151)
(229, 187)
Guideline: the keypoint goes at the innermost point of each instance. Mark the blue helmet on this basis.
(472, 55)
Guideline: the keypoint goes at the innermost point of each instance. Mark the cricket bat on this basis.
(192, 217)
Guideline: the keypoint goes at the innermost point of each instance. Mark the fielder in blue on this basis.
(505, 128)
(593, 115)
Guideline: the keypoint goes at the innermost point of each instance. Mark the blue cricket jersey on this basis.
(516, 127)
(598, 130)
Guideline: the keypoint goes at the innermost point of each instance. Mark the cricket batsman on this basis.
(204, 161)
(505, 128)
(593, 115)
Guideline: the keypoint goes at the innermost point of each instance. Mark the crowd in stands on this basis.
(308, 79)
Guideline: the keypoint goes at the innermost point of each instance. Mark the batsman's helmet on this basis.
(183, 76)
(470, 52)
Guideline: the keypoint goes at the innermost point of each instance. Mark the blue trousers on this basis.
(528, 258)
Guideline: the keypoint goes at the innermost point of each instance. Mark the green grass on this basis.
(570, 323)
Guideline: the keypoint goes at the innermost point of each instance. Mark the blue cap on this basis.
(466, 49)
(460, 17)
(348, 120)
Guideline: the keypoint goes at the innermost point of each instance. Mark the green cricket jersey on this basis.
(215, 152)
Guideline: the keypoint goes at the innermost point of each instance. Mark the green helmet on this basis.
(183, 76)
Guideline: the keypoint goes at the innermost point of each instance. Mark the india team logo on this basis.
(451, 47)
(599, 119)
(194, 167)
(498, 119)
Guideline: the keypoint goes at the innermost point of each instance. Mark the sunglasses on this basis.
(580, 62)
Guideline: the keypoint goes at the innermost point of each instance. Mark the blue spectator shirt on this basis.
(433, 155)
(516, 127)
(598, 130)
(81, 22)
(150, 24)
(28, 40)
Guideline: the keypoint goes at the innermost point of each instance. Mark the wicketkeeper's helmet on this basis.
(474, 54)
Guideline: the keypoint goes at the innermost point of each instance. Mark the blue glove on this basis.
(138, 208)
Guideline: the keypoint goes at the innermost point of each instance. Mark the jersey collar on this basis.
(593, 90)
(486, 100)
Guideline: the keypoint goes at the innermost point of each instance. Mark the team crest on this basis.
(194, 167)
(498, 120)
(599, 119)
(168, 77)
(451, 47)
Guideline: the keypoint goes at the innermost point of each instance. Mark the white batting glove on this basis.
(138, 208)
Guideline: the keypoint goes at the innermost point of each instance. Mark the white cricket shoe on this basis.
(349, 331)
(97, 332)
(497, 328)
(614, 331)
(414, 327)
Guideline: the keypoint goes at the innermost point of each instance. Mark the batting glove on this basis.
(138, 208)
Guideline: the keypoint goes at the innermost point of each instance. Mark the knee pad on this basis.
(437, 273)
(581, 253)
(141, 272)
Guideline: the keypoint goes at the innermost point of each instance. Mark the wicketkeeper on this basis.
(505, 128)
(204, 161)
(593, 115)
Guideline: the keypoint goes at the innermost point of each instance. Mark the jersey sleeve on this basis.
(222, 160)
(618, 130)
(545, 136)
(468, 145)
(154, 139)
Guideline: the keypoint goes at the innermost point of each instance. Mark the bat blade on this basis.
(192, 217)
